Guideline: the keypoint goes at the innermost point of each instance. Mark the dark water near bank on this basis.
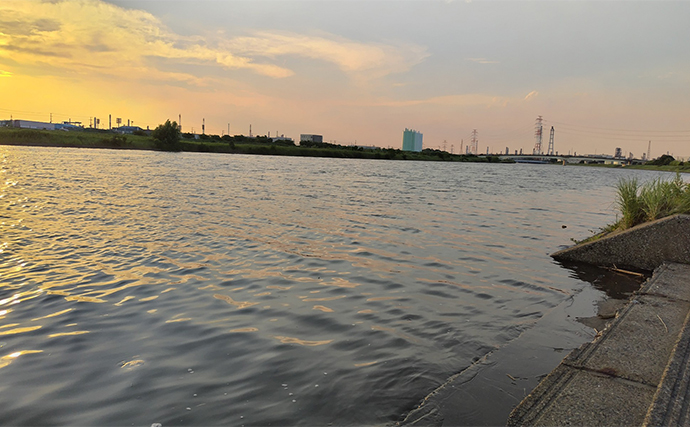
(142, 287)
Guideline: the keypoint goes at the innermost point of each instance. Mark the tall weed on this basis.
(653, 200)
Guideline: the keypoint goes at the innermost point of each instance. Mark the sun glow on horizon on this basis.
(80, 59)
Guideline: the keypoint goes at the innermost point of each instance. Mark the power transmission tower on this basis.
(649, 151)
(537, 134)
(475, 143)
(550, 150)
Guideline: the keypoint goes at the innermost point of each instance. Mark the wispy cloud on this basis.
(531, 95)
(78, 36)
(479, 100)
(374, 59)
(482, 61)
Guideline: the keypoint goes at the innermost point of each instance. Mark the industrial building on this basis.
(27, 124)
(310, 137)
(412, 140)
(128, 129)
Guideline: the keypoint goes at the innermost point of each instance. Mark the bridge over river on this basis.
(547, 159)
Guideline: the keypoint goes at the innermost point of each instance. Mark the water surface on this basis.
(202, 289)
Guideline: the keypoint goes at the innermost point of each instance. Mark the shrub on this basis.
(167, 136)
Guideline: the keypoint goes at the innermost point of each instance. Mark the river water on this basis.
(206, 289)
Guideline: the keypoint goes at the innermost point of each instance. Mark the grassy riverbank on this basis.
(91, 138)
(653, 200)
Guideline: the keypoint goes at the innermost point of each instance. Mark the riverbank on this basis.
(635, 371)
(91, 138)
(684, 168)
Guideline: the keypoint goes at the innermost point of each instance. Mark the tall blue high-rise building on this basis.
(412, 140)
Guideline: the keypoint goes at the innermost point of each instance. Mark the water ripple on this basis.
(196, 289)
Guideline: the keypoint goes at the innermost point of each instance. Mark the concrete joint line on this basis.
(670, 403)
(610, 374)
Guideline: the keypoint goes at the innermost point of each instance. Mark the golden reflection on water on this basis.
(292, 340)
(324, 299)
(278, 287)
(20, 330)
(9, 325)
(181, 319)
(84, 299)
(341, 283)
(238, 304)
(151, 298)
(360, 365)
(62, 334)
(383, 298)
(53, 314)
(323, 308)
(6, 360)
(244, 330)
(132, 363)
(125, 299)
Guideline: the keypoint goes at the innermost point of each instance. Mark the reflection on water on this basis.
(226, 289)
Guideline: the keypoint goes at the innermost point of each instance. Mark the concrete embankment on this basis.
(629, 370)
(644, 247)
(637, 371)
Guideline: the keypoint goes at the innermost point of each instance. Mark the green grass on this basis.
(87, 139)
(91, 138)
(653, 200)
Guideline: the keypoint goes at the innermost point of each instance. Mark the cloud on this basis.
(5, 73)
(482, 61)
(369, 60)
(78, 36)
(531, 95)
(465, 100)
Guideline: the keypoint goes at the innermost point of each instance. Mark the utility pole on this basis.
(203, 126)
(110, 121)
(228, 129)
(250, 130)
(179, 122)
(51, 117)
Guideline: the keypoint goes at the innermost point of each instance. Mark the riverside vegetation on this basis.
(167, 137)
(650, 201)
(653, 200)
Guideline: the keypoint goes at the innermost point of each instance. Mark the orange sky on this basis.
(604, 74)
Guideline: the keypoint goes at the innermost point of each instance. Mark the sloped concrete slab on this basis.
(615, 379)
(670, 406)
(638, 345)
(559, 401)
(644, 247)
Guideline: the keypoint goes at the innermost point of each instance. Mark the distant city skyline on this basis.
(603, 74)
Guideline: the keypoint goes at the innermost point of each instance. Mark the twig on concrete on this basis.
(614, 268)
(511, 377)
(662, 322)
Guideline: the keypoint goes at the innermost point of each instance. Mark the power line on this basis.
(619, 130)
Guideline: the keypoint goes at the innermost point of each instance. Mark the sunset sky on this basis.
(604, 74)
